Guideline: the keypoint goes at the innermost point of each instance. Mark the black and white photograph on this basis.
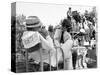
(53, 37)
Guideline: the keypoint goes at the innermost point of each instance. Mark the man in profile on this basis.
(69, 13)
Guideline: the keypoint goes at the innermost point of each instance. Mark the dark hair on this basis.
(67, 24)
(69, 7)
(50, 28)
(76, 16)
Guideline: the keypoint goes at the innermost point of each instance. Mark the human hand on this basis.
(44, 32)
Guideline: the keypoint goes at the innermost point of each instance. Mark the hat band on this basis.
(31, 25)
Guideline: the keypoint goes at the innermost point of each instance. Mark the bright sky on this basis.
(48, 13)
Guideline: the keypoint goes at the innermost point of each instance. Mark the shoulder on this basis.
(27, 34)
(67, 34)
(58, 27)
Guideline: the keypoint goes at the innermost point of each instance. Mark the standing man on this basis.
(86, 14)
(69, 13)
(63, 40)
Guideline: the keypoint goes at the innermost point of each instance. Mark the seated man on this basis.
(35, 38)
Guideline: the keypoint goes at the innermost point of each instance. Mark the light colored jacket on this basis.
(47, 48)
(58, 33)
(67, 45)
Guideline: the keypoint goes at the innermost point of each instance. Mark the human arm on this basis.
(57, 37)
(47, 43)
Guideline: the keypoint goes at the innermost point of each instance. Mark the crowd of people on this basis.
(65, 43)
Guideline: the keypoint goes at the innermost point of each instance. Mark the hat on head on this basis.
(33, 22)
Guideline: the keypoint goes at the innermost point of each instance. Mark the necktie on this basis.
(62, 39)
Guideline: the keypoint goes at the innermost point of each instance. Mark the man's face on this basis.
(64, 28)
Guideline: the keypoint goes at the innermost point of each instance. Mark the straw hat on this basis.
(33, 22)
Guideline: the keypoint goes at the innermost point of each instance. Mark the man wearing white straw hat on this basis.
(33, 37)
